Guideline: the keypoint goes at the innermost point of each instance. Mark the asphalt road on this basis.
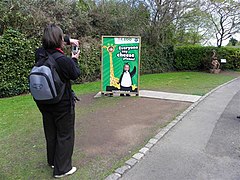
(204, 145)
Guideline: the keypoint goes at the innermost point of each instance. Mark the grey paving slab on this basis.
(122, 169)
(168, 96)
(138, 156)
(153, 141)
(163, 95)
(114, 176)
(204, 145)
(149, 145)
(131, 162)
(144, 150)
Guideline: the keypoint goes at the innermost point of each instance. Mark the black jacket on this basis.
(69, 71)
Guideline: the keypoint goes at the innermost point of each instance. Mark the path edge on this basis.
(119, 172)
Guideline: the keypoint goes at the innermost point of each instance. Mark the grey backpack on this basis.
(45, 83)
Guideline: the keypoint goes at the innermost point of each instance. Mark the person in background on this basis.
(59, 119)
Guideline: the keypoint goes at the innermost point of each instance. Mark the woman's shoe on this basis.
(72, 171)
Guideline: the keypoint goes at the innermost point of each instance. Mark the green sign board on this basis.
(120, 64)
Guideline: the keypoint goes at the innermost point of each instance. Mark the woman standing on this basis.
(58, 119)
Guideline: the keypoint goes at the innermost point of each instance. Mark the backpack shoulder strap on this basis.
(57, 55)
(52, 60)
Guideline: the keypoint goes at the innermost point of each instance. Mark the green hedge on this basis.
(18, 56)
(232, 55)
(89, 61)
(16, 60)
(156, 59)
(199, 57)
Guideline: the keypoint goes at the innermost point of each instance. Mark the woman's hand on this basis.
(74, 42)
(76, 55)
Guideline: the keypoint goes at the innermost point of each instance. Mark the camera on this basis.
(75, 49)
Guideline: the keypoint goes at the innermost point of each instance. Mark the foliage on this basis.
(30, 17)
(191, 57)
(232, 55)
(89, 60)
(199, 57)
(156, 59)
(17, 58)
(232, 42)
(163, 22)
(224, 16)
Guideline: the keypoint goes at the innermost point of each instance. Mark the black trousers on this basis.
(58, 123)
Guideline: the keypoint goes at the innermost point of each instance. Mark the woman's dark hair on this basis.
(52, 37)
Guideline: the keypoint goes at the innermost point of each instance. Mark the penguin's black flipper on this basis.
(133, 71)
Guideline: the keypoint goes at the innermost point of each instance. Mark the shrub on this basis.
(156, 59)
(18, 56)
(16, 60)
(89, 60)
(232, 55)
(199, 57)
(189, 57)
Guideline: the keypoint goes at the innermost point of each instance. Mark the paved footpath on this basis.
(204, 145)
(169, 96)
(162, 95)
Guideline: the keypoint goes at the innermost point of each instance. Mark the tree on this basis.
(119, 18)
(173, 21)
(232, 42)
(192, 26)
(225, 18)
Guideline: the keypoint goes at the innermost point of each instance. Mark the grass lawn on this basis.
(22, 144)
(195, 83)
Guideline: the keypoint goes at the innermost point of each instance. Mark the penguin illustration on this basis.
(126, 78)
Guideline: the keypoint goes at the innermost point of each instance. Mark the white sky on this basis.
(213, 41)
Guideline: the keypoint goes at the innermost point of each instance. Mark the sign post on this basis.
(120, 64)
